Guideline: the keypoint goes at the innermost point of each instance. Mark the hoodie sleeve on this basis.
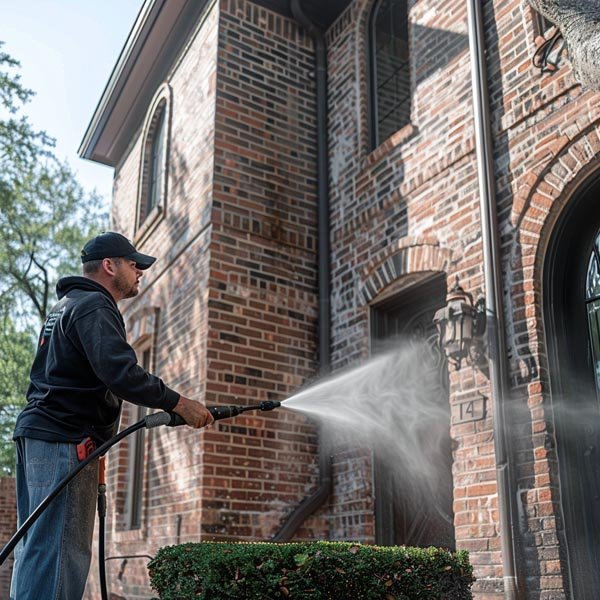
(100, 335)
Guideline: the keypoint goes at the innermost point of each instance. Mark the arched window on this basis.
(154, 166)
(390, 69)
(156, 175)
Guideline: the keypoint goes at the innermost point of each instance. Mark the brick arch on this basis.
(408, 256)
(548, 189)
(537, 208)
(546, 192)
(549, 193)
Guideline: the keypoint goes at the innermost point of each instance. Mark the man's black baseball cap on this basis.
(114, 245)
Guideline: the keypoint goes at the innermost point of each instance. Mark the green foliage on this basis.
(309, 571)
(16, 353)
(20, 144)
(45, 218)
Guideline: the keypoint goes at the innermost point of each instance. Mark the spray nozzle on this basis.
(268, 405)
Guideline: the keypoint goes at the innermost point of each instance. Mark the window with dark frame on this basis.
(137, 463)
(154, 167)
(390, 69)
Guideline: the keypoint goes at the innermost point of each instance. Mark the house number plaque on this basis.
(470, 409)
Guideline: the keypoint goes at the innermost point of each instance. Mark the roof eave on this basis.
(160, 30)
(116, 81)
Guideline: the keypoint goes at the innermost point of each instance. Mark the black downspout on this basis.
(310, 504)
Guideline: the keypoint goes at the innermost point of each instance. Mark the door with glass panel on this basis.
(572, 319)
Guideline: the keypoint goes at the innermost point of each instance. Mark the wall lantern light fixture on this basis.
(460, 326)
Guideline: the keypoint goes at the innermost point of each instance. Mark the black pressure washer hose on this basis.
(150, 421)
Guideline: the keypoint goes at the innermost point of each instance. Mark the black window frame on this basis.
(156, 163)
(136, 458)
(153, 181)
(376, 133)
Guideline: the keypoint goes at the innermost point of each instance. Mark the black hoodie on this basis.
(82, 369)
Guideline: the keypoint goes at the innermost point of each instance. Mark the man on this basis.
(82, 369)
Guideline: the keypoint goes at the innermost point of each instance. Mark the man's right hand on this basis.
(193, 412)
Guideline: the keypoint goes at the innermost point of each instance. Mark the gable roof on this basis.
(161, 29)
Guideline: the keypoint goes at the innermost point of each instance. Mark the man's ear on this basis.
(108, 266)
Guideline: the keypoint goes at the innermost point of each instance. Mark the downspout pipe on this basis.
(493, 300)
(313, 502)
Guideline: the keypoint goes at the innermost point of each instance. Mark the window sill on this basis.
(125, 534)
(396, 139)
(157, 214)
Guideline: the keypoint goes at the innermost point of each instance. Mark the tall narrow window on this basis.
(156, 176)
(390, 69)
(137, 463)
(154, 164)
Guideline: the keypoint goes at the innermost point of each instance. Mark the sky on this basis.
(67, 50)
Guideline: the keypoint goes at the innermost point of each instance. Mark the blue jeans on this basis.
(53, 559)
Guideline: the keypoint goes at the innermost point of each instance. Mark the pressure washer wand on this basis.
(226, 412)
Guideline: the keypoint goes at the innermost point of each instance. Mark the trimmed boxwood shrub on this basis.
(309, 571)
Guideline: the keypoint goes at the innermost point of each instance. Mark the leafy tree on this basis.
(16, 352)
(45, 218)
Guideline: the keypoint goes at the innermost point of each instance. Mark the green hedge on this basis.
(309, 571)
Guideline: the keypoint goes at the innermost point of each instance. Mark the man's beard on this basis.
(124, 288)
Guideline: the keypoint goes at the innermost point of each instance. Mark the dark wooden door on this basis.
(416, 515)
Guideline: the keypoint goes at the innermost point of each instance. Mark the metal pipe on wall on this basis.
(493, 298)
(310, 504)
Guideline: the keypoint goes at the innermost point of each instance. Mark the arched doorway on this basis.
(572, 319)
(406, 513)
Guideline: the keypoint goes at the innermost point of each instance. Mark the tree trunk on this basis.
(579, 23)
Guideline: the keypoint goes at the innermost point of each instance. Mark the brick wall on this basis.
(262, 300)
(8, 525)
(412, 193)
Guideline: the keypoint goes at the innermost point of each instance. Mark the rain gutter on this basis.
(493, 300)
(313, 502)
